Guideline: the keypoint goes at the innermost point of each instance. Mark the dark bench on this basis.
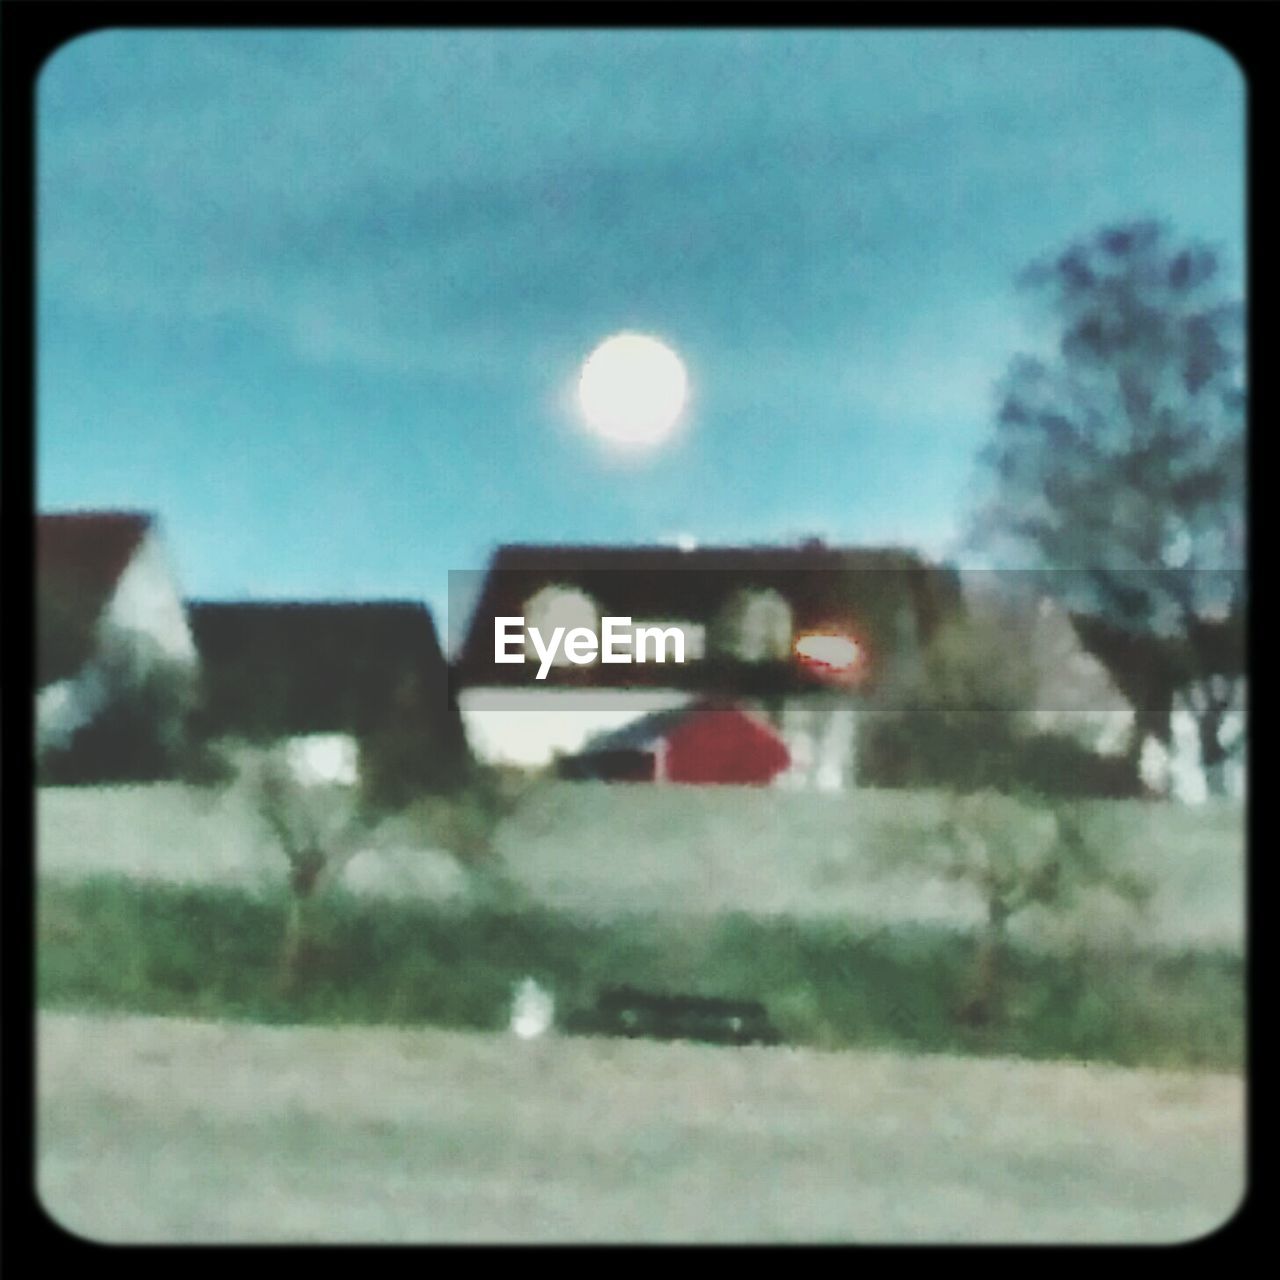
(626, 1011)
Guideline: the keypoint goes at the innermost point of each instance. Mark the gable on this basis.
(80, 560)
(1028, 626)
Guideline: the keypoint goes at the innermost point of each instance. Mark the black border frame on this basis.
(31, 31)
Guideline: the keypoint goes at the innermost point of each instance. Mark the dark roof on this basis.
(864, 589)
(646, 731)
(642, 733)
(80, 557)
(278, 669)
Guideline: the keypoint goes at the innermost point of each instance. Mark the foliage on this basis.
(1117, 466)
(209, 765)
(1057, 765)
(399, 763)
(953, 719)
(319, 828)
(123, 719)
(412, 749)
(960, 719)
(1019, 853)
(211, 953)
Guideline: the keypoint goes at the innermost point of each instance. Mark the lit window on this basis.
(829, 653)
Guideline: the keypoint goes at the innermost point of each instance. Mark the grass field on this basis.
(158, 1130)
(112, 943)
(384, 1103)
(597, 850)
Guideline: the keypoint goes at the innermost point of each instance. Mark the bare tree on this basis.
(320, 828)
(1016, 852)
(1020, 853)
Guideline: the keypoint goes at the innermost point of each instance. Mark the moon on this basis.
(632, 390)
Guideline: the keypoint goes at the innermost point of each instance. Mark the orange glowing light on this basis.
(835, 653)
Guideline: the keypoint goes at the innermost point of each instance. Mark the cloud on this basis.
(439, 203)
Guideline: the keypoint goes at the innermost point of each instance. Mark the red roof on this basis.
(706, 743)
(720, 745)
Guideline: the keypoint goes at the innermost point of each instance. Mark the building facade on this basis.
(796, 637)
(115, 656)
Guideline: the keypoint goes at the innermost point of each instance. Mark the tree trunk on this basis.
(985, 1005)
(1215, 779)
(1133, 751)
(1213, 758)
(291, 951)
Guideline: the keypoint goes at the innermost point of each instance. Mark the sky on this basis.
(319, 299)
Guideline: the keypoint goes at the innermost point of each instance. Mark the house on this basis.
(1069, 690)
(796, 635)
(702, 743)
(115, 658)
(352, 690)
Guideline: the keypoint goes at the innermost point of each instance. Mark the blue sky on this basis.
(319, 298)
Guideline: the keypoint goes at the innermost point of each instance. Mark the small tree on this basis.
(1012, 830)
(1018, 853)
(320, 828)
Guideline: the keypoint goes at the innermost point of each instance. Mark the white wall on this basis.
(144, 622)
(528, 727)
(319, 759)
(1176, 770)
(147, 602)
(821, 735)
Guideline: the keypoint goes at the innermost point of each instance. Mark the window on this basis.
(559, 606)
(756, 626)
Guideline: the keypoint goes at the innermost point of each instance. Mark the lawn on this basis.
(115, 944)
(597, 850)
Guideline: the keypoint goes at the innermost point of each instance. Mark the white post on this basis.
(660, 760)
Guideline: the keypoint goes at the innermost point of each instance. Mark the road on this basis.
(158, 1130)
